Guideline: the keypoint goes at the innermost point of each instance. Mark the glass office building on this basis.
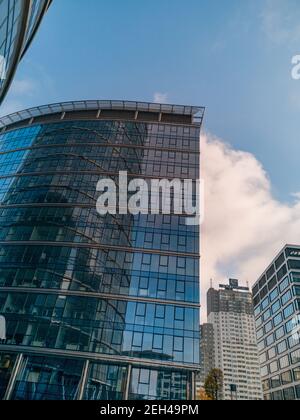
(277, 311)
(19, 21)
(96, 307)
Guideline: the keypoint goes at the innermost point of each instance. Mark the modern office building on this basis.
(96, 307)
(19, 22)
(230, 311)
(277, 311)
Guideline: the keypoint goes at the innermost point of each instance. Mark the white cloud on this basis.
(245, 226)
(160, 98)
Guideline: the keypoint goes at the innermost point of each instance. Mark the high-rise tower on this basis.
(231, 312)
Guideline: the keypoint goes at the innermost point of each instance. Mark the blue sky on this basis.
(232, 56)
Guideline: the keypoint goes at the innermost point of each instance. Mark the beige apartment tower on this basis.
(230, 311)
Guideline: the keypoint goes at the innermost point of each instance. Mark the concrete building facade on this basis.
(230, 311)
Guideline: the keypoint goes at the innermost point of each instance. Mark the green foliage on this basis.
(214, 384)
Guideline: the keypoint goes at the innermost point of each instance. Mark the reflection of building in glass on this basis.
(277, 311)
(149, 384)
(7, 362)
(96, 307)
(19, 21)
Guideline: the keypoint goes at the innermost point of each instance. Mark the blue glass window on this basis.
(278, 319)
(178, 344)
(274, 294)
(286, 297)
(279, 333)
(270, 340)
(267, 315)
(48, 379)
(296, 290)
(268, 327)
(265, 303)
(282, 347)
(293, 341)
(284, 284)
(289, 311)
(275, 307)
(295, 277)
(289, 326)
(282, 272)
(289, 394)
(275, 382)
(158, 342)
(295, 357)
(260, 333)
(257, 311)
(258, 322)
(137, 340)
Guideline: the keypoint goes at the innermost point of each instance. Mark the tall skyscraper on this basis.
(96, 307)
(277, 311)
(207, 353)
(19, 21)
(230, 311)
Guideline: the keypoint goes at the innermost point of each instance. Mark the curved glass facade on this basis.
(19, 20)
(96, 307)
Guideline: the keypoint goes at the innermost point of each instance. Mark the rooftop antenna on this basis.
(211, 283)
